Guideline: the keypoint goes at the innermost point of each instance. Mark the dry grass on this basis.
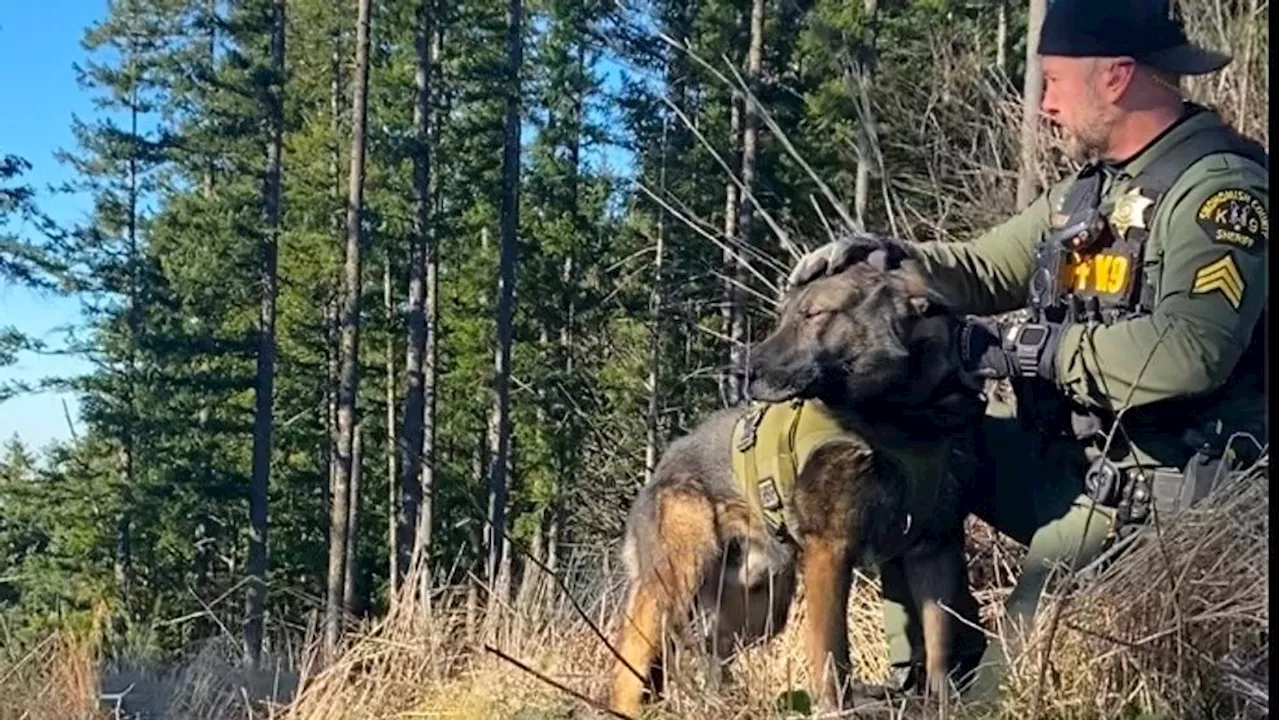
(57, 679)
(1242, 92)
(1176, 626)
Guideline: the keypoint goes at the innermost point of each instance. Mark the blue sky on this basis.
(38, 43)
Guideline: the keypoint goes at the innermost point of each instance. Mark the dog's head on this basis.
(872, 330)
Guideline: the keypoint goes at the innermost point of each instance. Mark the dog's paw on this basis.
(793, 702)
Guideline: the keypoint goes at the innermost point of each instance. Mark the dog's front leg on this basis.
(826, 572)
(934, 575)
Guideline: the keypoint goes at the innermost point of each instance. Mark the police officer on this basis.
(1145, 277)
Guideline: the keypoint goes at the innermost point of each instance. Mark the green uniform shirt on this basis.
(1205, 253)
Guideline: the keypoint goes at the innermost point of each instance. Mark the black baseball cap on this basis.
(1146, 30)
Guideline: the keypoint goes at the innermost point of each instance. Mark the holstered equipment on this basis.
(1135, 492)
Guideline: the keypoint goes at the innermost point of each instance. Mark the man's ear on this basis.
(1117, 76)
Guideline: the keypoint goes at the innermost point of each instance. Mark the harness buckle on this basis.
(750, 426)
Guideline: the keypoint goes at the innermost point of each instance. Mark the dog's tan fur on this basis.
(867, 346)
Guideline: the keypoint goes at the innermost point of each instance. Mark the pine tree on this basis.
(419, 367)
(263, 419)
(23, 260)
(500, 422)
(340, 522)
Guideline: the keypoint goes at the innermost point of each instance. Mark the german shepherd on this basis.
(876, 350)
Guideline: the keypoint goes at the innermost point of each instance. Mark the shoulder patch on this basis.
(1234, 217)
(1222, 276)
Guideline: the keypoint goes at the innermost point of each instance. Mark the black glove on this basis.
(847, 250)
(991, 350)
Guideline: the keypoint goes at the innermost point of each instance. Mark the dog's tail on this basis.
(641, 541)
(671, 529)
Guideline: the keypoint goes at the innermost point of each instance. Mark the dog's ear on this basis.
(923, 299)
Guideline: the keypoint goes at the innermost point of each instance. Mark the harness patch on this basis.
(1102, 273)
(770, 499)
(1223, 276)
(1234, 217)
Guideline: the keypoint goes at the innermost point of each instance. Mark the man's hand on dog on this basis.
(881, 251)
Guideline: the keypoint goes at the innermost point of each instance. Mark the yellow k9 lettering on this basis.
(1103, 273)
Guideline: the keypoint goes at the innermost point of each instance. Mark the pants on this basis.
(1031, 492)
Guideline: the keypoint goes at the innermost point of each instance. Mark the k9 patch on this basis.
(1100, 274)
(1234, 217)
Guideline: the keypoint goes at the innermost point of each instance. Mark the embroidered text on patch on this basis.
(1223, 276)
(1235, 217)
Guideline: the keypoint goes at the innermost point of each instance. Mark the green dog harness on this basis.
(771, 444)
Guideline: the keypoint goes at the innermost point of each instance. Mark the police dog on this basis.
(876, 351)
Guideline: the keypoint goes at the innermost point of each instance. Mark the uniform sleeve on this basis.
(1212, 290)
(990, 274)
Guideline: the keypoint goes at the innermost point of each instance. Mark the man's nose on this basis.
(1048, 104)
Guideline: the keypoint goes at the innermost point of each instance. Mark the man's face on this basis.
(1079, 96)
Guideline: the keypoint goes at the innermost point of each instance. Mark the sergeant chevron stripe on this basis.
(1221, 275)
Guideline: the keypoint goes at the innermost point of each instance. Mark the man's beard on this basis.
(1085, 146)
(1092, 141)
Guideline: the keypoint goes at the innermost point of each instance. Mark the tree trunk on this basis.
(866, 138)
(652, 441)
(129, 438)
(122, 563)
(1002, 37)
(553, 542)
(256, 564)
(571, 425)
(675, 73)
(422, 542)
(407, 520)
(352, 563)
(750, 153)
(501, 424)
(331, 390)
(335, 124)
(210, 54)
(331, 302)
(348, 381)
(393, 479)
(1032, 87)
(730, 389)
